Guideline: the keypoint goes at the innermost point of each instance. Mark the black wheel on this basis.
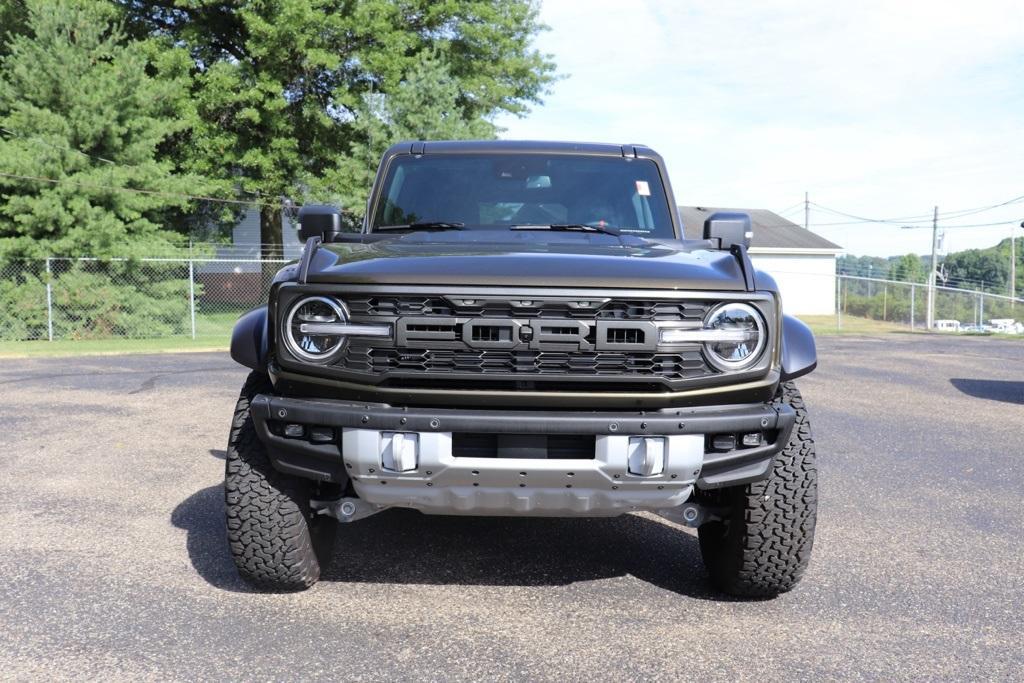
(763, 546)
(277, 542)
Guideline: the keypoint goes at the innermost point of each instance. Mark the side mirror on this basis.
(320, 220)
(728, 229)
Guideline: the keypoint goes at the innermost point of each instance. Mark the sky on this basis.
(880, 109)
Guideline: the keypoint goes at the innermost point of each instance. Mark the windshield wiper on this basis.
(568, 227)
(422, 225)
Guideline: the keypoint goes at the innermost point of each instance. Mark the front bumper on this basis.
(445, 483)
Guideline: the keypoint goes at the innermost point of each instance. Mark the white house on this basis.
(802, 263)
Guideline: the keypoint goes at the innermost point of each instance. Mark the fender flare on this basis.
(250, 343)
(799, 353)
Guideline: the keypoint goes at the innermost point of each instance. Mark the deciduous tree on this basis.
(280, 84)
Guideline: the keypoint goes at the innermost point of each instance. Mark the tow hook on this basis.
(691, 514)
(346, 509)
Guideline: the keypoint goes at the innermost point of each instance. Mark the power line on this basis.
(157, 193)
(39, 140)
(958, 213)
(68, 148)
(798, 205)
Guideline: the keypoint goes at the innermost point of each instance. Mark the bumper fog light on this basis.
(321, 434)
(646, 455)
(752, 439)
(399, 451)
(724, 442)
(293, 431)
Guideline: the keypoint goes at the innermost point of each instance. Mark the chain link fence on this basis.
(71, 299)
(200, 298)
(906, 304)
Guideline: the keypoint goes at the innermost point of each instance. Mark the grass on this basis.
(213, 333)
(99, 347)
(826, 325)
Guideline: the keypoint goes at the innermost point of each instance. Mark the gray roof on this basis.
(771, 231)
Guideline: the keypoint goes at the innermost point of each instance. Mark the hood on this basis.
(532, 259)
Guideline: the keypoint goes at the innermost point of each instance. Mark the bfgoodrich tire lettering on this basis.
(276, 541)
(764, 545)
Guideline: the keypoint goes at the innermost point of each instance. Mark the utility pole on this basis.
(1013, 266)
(930, 322)
(807, 212)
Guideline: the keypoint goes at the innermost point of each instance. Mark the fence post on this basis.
(192, 293)
(49, 302)
(839, 302)
(913, 295)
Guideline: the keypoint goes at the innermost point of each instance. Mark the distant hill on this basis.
(985, 269)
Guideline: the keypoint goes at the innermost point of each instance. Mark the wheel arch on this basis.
(799, 352)
(250, 342)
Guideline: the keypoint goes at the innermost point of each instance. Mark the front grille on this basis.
(671, 366)
(519, 342)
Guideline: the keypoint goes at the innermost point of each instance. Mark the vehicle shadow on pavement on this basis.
(405, 546)
(992, 389)
(201, 515)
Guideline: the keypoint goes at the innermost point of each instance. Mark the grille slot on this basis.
(625, 336)
(492, 333)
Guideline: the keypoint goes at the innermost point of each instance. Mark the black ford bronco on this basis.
(522, 328)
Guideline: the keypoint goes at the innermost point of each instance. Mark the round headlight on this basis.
(300, 333)
(742, 336)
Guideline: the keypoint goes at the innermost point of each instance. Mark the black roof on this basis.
(771, 231)
(522, 146)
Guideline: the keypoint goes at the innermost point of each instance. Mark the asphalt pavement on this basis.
(114, 565)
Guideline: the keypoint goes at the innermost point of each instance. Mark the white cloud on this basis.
(877, 108)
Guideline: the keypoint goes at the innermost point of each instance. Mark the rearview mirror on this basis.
(320, 220)
(729, 229)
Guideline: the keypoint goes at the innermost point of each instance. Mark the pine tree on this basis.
(83, 114)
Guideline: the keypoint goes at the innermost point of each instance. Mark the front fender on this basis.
(799, 354)
(250, 344)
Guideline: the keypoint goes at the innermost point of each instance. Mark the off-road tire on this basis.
(763, 545)
(277, 542)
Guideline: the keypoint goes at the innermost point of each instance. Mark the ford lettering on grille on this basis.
(527, 334)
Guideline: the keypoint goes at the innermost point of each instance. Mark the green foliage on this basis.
(121, 299)
(977, 269)
(280, 87)
(94, 299)
(891, 302)
(22, 301)
(81, 105)
(989, 266)
(425, 105)
(13, 22)
(908, 268)
(864, 266)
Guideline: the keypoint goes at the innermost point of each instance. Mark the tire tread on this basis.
(268, 532)
(765, 547)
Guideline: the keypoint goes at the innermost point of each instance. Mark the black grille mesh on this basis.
(671, 366)
(453, 357)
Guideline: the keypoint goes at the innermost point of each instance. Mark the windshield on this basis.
(482, 191)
